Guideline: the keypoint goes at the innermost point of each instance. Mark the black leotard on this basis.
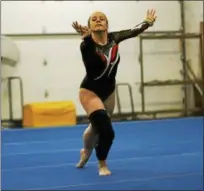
(101, 62)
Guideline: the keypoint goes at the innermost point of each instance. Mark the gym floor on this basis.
(146, 155)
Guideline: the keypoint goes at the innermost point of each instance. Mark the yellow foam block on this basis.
(49, 114)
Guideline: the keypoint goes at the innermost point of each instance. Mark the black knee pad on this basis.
(101, 123)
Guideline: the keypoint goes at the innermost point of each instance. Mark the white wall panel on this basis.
(57, 16)
(64, 71)
(21, 17)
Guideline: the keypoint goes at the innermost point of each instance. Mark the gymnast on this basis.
(99, 50)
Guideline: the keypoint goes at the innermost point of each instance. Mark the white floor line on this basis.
(119, 181)
(77, 149)
(94, 162)
(53, 141)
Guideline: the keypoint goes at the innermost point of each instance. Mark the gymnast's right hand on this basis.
(151, 17)
(82, 30)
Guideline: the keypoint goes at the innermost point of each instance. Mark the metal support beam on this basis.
(11, 121)
(161, 32)
(202, 56)
(171, 82)
(60, 34)
(183, 57)
(167, 36)
(142, 76)
(137, 115)
(184, 82)
(195, 85)
(41, 35)
(195, 79)
(118, 97)
(172, 35)
(68, 34)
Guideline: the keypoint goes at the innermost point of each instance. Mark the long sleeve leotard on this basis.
(101, 62)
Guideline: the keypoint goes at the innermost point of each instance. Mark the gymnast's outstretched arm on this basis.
(122, 35)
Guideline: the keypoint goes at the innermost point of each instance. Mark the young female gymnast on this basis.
(99, 50)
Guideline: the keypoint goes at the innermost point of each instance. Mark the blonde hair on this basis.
(88, 23)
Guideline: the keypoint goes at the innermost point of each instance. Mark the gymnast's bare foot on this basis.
(85, 155)
(103, 169)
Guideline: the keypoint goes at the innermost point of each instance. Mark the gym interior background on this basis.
(160, 75)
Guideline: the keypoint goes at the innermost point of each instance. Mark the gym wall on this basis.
(51, 67)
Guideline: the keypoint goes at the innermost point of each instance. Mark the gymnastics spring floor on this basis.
(146, 155)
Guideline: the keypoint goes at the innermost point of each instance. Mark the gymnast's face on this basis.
(98, 22)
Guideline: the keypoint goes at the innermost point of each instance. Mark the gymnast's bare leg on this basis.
(91, 103)
(90, 138)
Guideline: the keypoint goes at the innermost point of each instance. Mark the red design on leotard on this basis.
(114, 53)
(112, 57)
(102, 57)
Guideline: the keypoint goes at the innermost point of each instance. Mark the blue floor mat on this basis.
(146, 155)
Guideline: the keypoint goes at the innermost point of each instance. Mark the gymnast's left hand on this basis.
(82, 30)
(151, 17)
